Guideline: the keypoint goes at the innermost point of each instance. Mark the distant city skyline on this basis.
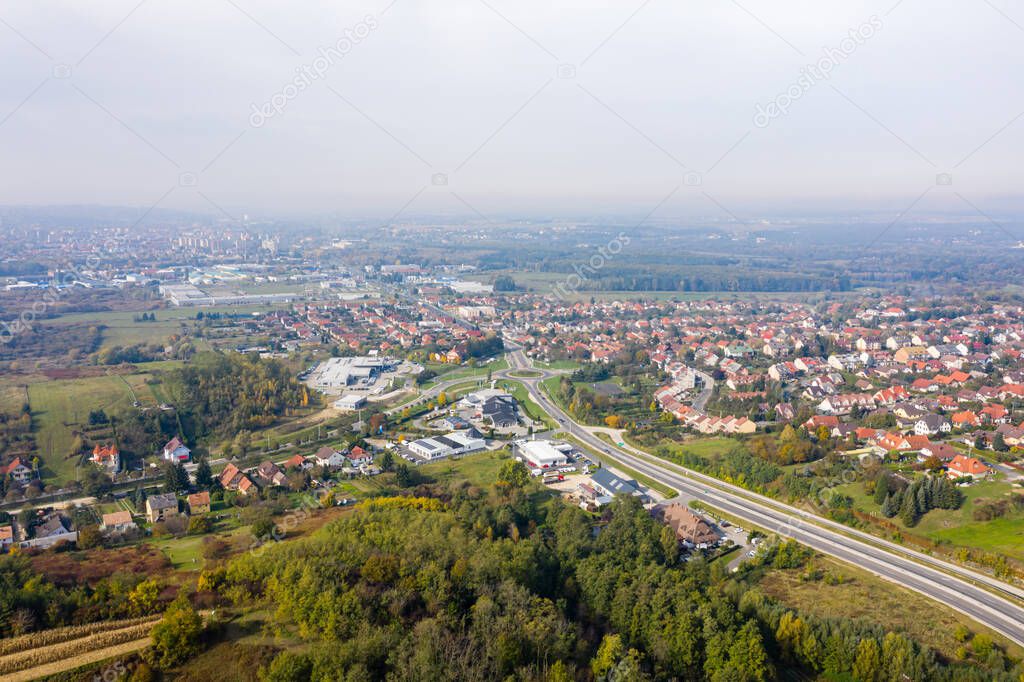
(487, 109)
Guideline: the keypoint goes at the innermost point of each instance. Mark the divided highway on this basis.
(954, 586)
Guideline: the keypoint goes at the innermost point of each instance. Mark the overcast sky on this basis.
(519, 106)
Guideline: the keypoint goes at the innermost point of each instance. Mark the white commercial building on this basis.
(543, 454)
(338, 373)
(454, 443)
(350, 401)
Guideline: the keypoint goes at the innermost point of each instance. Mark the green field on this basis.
(957, 526)
(121, 329)
(532, 409)
(60, 407)
(479, 469)
(450, 372)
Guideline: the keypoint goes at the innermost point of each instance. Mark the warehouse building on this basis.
(454, 443)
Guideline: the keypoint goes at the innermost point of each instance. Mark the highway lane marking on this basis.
(888, 561)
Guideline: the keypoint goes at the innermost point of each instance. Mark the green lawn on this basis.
(184, 553)
(532, 409)
(479, 469)
(450, 372)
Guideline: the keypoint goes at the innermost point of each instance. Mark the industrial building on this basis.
(358, 372)
(542, 454)
(454, 443)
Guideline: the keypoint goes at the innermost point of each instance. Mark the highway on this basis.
(953, 585)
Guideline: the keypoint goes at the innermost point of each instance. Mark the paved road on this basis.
(705, 394)
(960, 591)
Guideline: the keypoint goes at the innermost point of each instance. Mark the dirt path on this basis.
(77, 661)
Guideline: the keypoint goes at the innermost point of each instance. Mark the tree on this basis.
(891, 505)
(387, 461)
(513, 473)
(669, 545)
(747, 656)
(999, 443)
(204, 476)
(140, 498)
(89, 537)
(881, 489)
(909, 512)
(867, 667)
(287, 667)
(176, 638)
(608, 654)
(403, 476)
(175, 477)
(143, 597)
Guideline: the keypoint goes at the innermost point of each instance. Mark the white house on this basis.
(175, 451)
(328, 457)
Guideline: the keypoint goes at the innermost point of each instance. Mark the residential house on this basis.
(962, 420)
(359, 457)
(175, 451)
(199, 503)
(268, 473)
(117, 522)
(961, 466)
(51, 529)
(328, 457)
(18, 471)
(690, 529)
(161, 507)
(107, 457)
(931, 424)
(297, 462)
(941, 451)
(232, 478)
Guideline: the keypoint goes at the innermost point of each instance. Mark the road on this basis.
(953, 585)
(705, 393)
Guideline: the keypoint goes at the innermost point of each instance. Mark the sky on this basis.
(483, 108)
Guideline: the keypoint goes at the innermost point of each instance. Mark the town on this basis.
(180, 414)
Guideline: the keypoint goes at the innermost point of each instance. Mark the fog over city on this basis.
(485, 108)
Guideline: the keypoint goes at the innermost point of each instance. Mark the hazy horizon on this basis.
(482, 108)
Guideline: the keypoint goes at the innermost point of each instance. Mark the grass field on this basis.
(12, 396)
(449, 372)
(58, 407)
(863, 595)
(532, 409)
(121, 329)
(957, 526)
(479, 469)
